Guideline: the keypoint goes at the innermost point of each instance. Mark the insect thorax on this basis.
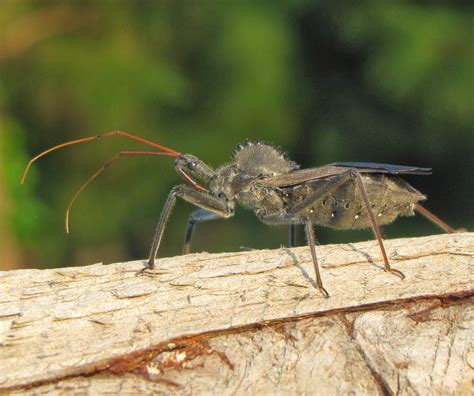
(259, 159)
(251, 162)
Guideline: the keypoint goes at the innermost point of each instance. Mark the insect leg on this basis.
(293, 220)
(191, 195)
(197, 216)
(331, 184)
(292, 232)
(279, 219)
(375, 227)
(435, 219)
(312, 247)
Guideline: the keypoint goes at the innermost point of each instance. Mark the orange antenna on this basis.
(97, 137)
(166, 151)
(101, 169)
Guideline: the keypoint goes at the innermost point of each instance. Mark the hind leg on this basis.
(435, 219)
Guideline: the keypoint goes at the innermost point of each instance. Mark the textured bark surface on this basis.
(247, 322)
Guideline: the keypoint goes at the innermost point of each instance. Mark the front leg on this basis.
(199, 198)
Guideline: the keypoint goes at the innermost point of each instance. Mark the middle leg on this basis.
(198, 216)
(293, 220)
(308, 225)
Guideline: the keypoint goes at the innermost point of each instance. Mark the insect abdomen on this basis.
(344, 208)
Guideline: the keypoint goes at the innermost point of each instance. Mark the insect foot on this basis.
(396, 272)
(323, 291)
(143, 271)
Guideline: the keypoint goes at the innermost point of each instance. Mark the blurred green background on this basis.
(327, 81)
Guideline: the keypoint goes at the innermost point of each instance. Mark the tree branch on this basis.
(247, 322)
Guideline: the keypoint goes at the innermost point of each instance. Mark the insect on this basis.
(343, 195)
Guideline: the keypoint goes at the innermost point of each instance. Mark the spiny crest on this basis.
(262, 159)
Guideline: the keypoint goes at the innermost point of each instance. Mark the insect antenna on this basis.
(104, 167)
(97, 137)
(166, 151)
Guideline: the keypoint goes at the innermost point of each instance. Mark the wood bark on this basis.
(246, 323)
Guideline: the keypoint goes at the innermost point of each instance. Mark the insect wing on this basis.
(305, 175)
(301, 176)
(385, 168)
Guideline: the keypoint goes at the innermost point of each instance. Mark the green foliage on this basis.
(328, 81)
(25, 213)
(421, 56)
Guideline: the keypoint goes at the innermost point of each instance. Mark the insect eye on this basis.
(192, 165)
(221, 195)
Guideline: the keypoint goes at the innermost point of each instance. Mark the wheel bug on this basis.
(343, 195)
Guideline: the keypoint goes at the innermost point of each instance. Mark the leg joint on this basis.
(353, 173)
(177, 191)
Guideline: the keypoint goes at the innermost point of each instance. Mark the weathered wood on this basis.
(247, 322)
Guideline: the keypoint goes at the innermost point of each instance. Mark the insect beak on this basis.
(190, 180)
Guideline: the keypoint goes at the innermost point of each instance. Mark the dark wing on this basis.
(386, 168)
(304, 175)
(301, 176)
